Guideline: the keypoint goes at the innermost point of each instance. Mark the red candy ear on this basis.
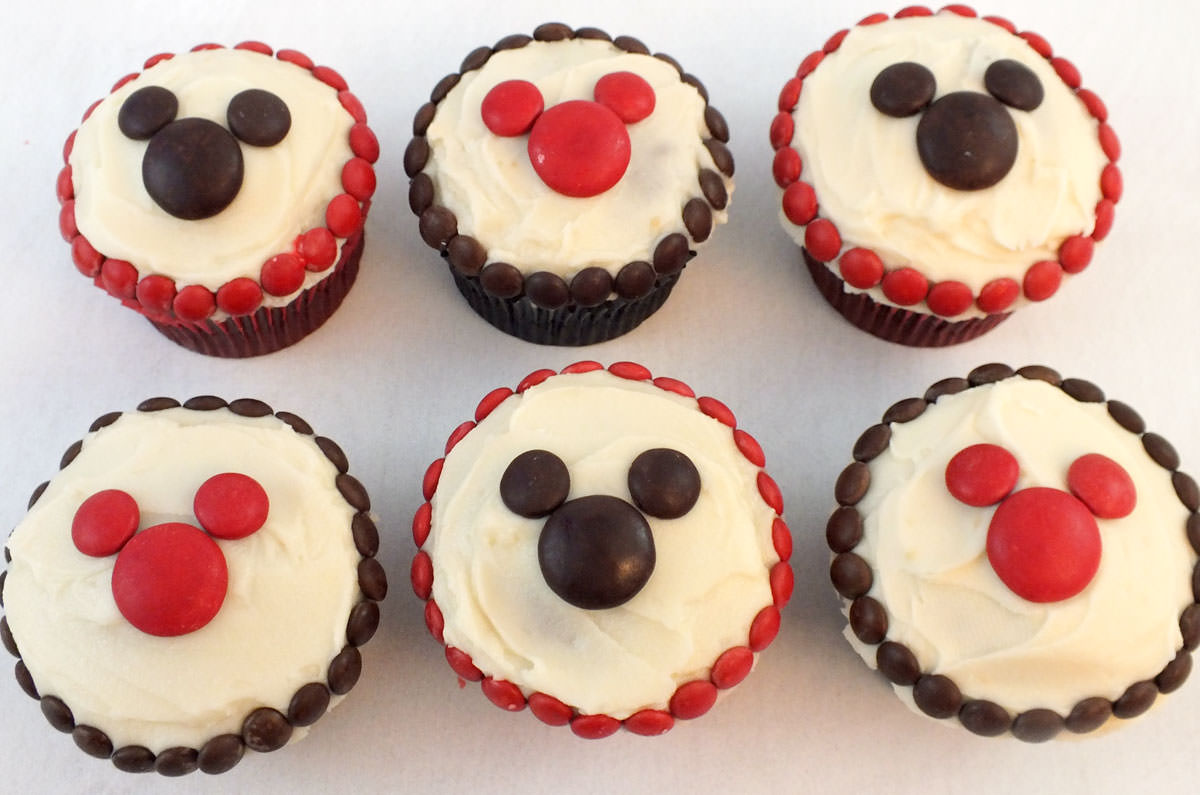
(231, 505)
(1102, 485)
(625, 94)
(982, 474)
(511, 107)
(104, 522)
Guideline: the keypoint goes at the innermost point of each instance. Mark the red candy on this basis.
(579, 148)
(511, 107)
(998, 295)
(905, 286)
(240, 296)
(1042, 280)
(282, 274)
(155, 293)
(231, 505)
(799, 202)
(822, 239)
(693, 699)
(104, 522)
(1102, 485)
(732, 667)
(194, 303)
(982, 474)
(861, 268)
(1044, 544)
(343, 216)
(170, 579)
(625, 94)
(318, 247)
(949, 298)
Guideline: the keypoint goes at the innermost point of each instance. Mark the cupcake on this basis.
(602, 547)
(195, 581)
(567, 178)
(222, 194)
(1018, 553)
(940, 171)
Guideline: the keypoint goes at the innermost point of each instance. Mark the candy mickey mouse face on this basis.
(1043, 543)
(966, 139)
(170, 579)
(597, 551)
(579, 148)
(193, 167)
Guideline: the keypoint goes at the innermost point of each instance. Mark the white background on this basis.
(405, 360)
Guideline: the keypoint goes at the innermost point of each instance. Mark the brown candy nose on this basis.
(192, 168)
(967, 140)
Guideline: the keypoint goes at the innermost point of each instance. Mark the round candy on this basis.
(1014, 84)
(146, 111)
(903, 89)
(104, 522)
(258, 117)
(1102, 485)
(510, 108)
(1044, 544)
(626, 94)
(170, 579)
(535, 483)
(192, 168)
(596, 552)
(982, 474)
(231, 505)
(967, 140)
(664, 483)
(579, 148)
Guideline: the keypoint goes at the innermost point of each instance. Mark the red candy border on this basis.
(691, 699)
(950, 298)
(159, 298)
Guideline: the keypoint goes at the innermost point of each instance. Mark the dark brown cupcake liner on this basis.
(893, 323)
(269, 329)
(570, 325)
(263, 729)
(937, 695)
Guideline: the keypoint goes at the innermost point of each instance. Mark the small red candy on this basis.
(282, 274)
(170, 579)
(194, 303)
(799, 201)
(626, 94)
(579, 148)
(318, 247)
(861, 268)
(998, 295)
(510, 108)
(1102, 485)
(949, 298)
(231, 505)
(155, 293)
(1042, 280)
(982, 474)
(343, 216)
(822, 239)
(104, 522)
(1044, 544)
(239, 296)
(905, 286)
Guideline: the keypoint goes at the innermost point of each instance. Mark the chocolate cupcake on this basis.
(941, 170)
(567, 178)
(602, 547)
(222, 194)
(1018, 553)
(195, 581)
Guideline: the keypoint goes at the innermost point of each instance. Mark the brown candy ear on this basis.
(664, 483)
(146, 111)
(258, 117)
(1014, 84)
(535, 483)
(903, 89)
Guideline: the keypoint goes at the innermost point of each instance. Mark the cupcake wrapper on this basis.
(892, 323)
(570, 325)
(269, 329)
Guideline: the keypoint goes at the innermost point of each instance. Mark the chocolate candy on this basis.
(1014, 84)
(596, 552)
(535, 483)
(967, 141)
(664, 483)
(258, 117)
(903, 89)
(146, 111)
(193, 168)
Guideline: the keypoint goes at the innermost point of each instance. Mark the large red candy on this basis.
(579, 148)
(1044, 544)
(231, 505)
(1103, 485)
(170, 579)
(980, 475)
(104, 522)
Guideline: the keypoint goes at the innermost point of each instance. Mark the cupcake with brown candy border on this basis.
(603, 547)
(567, 178)
(195, 581)
(1018, 553)
(221, 193)
(940, 171)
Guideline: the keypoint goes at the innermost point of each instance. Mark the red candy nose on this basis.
(579, 148)
(1044, 544)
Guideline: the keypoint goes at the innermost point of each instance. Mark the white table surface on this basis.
(405, 360)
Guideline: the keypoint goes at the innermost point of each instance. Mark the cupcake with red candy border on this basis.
(567, 178)
(221, 193)
(1016, 552)
(603, 547)
(941, 170)
(195, 581)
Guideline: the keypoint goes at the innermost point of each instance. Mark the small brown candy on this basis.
(1136, 699)
(1189, 626)
(903, 89)
(722, 157)
(416, 155)
(420, 193)
(258, 117)
(985, 718)
(591, 286)
(1089, 715)
(308, 704)
(146, 111)
(717, 126)
(297, 424)
(671, 254)
(872, 442)
(989, 373)
(92, 741)
(69, 455)
(634, 280)
(1186, 490)
(1175, 673)
(58, 713)
(442, 88)
(363, 621)
(1038, 725)
(547, 290)
(905, 410)
(713, 188)
(664, 483)
(937, 696)
(158, 404)
(105, 420)
(353, 492)
(698, 219)
(437, 225)
(265, 730)
(344, 671)
(851, 575)
(1126, 417)
(205, 403)
(366, 535)
(372, 580)
(1037, 372)
(37, 492)
(513, 41)
(249, 407)
(501, 280)
(334, 453)
(133, 759)
(630, 44)
(947, 386)
(178, 761)
(552, 31)
(1161, 451)
(662, 56)
(10, 643)
(852, 483)
(475, 59)
(25, 679)
(844, 529)
(592, 33)
(424, 115)
(897, 662)
(466, 254)
(1083, 391)
(695, 83)
(220, 754)
(868, 620)
(534, 483)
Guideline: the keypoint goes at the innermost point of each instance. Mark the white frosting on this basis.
(291, 584)
(709, 582)
(943, 599)
(488, 183)
(285, 188)
(870, 182)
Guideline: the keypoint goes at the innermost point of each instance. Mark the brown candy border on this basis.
(939, 696)
(264, 728)
(542, 294)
